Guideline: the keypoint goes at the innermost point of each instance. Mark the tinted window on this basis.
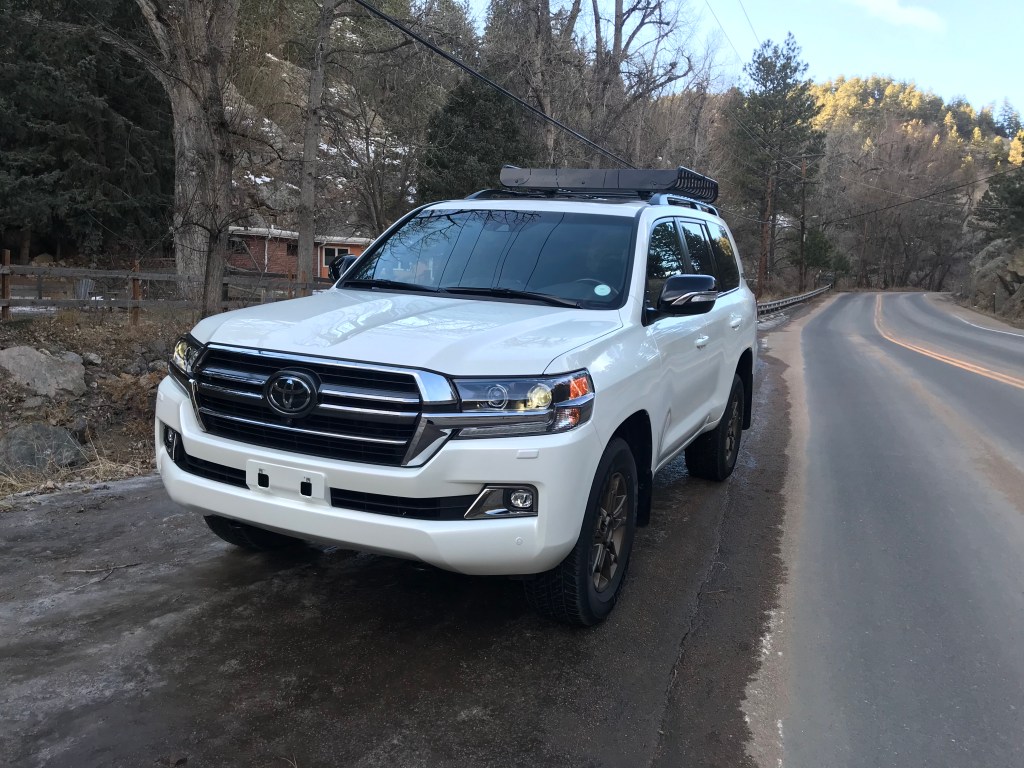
(665, 258)
(582, 257)
(725, 258)
(697, 247)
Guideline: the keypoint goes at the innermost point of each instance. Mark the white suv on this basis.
(490, 388)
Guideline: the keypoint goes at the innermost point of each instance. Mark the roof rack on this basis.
(610, 183)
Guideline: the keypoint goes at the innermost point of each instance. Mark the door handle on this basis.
(702, 341)
(735, 323)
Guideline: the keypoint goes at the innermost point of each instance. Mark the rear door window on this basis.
(697, 247)
(725, 258)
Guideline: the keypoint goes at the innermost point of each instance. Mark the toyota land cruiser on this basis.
(490, 388)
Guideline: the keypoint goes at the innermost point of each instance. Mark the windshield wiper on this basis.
(395, 284)
(511, 293)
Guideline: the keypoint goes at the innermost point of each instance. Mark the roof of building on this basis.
(287, 234)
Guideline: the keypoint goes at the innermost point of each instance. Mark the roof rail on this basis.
(592, 181)
(663, 198)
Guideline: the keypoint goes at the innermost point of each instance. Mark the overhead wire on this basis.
(484, 79)
(743, 8)
(740, 58)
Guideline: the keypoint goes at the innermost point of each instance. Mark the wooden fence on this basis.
(59, 287)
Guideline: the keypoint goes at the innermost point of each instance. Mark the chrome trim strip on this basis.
(233, 394)
(354, 394)
(215, 372)
(369, 414)
(332, 435)
(487, 419)
(433, 387)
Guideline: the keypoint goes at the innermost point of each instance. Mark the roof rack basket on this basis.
(592, 181)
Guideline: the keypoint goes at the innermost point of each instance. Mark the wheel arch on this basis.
(636, 431)
(745, 370)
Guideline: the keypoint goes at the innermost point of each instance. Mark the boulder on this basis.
(43, 374)
(70, 357)
(997, 278)
(91, 358)
(39, 447)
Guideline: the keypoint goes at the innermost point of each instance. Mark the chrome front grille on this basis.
(363, 413)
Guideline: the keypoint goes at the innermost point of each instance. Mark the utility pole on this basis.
(803, 224)
(766, 223)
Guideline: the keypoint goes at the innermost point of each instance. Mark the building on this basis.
(277, 250)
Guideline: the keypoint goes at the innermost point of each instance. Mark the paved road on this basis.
(900, 640)
(318, 657)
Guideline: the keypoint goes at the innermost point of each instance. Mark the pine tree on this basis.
(774, 134)
(476, 132)
(85, 145)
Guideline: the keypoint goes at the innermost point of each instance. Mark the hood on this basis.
(457, 336)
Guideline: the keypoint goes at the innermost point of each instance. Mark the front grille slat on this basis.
(364, 415)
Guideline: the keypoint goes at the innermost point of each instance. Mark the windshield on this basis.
(579, 257)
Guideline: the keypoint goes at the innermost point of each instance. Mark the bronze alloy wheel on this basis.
(732, 434)
(609, 531)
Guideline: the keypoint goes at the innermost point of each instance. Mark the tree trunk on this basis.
(203, 161)
(308, 265)
(26, 245)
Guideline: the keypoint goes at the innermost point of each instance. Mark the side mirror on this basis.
(340, 266)
(688, 295)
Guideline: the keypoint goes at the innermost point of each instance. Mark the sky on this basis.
(968, 49)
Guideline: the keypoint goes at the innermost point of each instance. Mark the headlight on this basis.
(183, 356)
(524, 406)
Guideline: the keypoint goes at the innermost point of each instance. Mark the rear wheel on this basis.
(248, 536)
(583, 588)
(712, 456)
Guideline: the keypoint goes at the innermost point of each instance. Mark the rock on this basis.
(158, 366)
(39, 447)
(157, 349)
(997, 278)
(91, 358)
(70, 357)
(81, 429)
(43, 374)
(32, 402)
(137, 368)
(42, 260)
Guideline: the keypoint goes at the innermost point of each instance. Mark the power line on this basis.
(719, 26)
(917, 199)
(743, 8)
(483, 78)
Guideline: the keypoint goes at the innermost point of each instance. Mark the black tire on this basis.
(248, 536)
(712, 456)
(583, 588)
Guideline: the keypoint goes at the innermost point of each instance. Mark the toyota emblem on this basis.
(291, 393)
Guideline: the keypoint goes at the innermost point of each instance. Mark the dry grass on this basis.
(118, 404)
(97, 469)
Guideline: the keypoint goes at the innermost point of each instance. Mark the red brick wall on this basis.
(278, 259)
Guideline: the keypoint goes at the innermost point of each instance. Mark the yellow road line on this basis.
(963, 365)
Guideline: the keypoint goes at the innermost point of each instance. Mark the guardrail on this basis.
(768, 307)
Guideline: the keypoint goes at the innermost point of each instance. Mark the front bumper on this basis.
(561, 467)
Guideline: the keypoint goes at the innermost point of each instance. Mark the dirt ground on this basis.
(113, 419)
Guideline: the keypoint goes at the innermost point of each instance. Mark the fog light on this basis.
(521, 499)
(171, 442)
(504, 501)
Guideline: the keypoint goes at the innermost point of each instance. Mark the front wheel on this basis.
(712, 456)
(583, 588)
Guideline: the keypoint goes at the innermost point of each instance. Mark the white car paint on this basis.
(665, 369)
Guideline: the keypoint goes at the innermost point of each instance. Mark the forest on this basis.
(145, 129)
